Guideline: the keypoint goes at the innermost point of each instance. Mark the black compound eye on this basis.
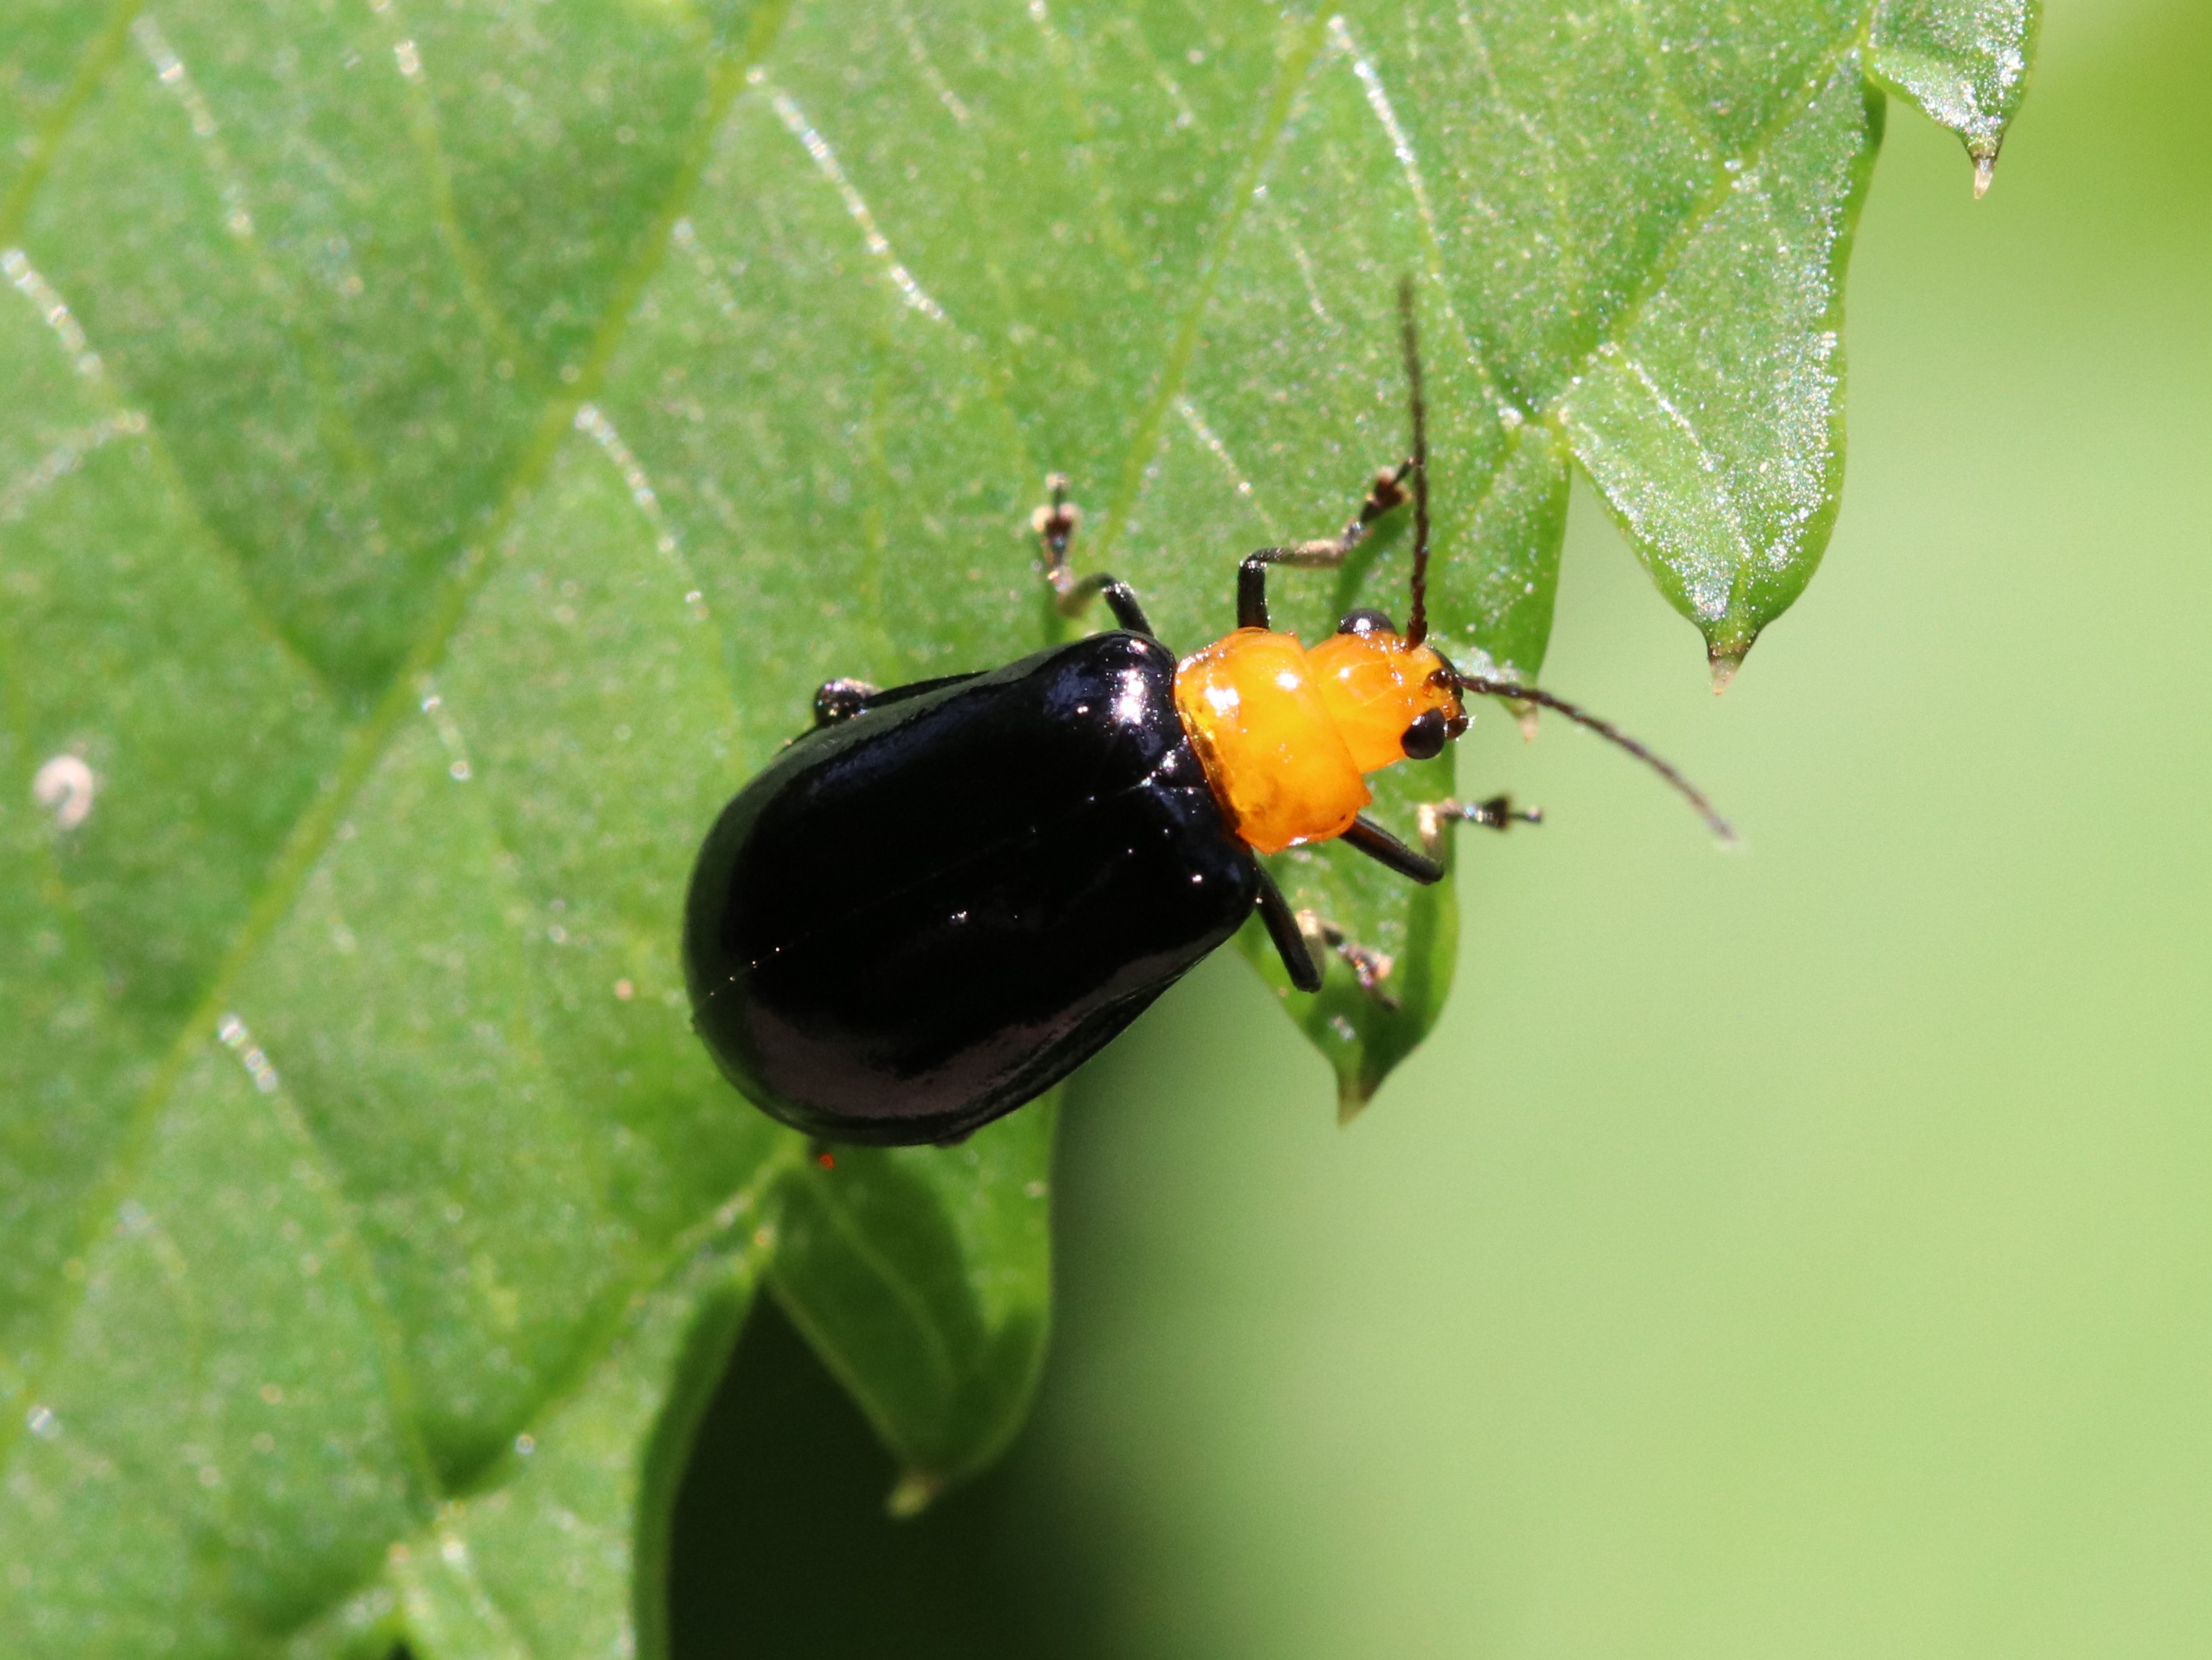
(1425, 738)
(1366, 620)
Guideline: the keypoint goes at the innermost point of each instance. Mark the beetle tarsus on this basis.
(1072, 593)
(1388, 491)
(1369, 967)
(1498, 813)
(1055, 524)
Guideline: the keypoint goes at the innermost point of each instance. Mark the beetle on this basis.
(933, 906)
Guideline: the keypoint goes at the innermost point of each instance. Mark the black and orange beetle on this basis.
(938, 903)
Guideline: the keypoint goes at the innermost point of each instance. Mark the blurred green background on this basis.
(1804, 1253)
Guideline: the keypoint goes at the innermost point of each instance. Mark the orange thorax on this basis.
(1286, 734)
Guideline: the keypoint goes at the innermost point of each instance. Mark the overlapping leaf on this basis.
(445, 444)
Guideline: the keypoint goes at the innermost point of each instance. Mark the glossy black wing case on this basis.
(915, 920)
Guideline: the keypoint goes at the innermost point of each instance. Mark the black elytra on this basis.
(929, 910)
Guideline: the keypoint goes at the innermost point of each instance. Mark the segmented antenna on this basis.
(1612, 734)
(1417, 624)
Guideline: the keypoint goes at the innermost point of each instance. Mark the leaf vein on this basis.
(1705, 210)
(657, 1272)
(126, 421)
(910, 1301)
(1144, 441)
(331, 414)
(427, 133)
(99, 57)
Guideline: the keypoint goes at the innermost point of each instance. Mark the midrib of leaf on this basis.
(310, 832)
(1183, 345)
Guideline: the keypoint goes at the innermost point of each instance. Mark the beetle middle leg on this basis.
(1498, 813)
(1369, 838)
(1055, 524)
(1387, 491)
(840, 700)
(837, 701)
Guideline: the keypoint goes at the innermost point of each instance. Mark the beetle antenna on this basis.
(1486, 688)
(1417, 624)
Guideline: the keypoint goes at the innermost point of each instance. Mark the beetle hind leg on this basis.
(1305, 941)
(1317, 939)
(1055, 524)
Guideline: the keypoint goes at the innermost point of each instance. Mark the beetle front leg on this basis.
(1385, 493)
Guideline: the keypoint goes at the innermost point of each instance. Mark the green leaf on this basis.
(446, 444)
(921, 1276)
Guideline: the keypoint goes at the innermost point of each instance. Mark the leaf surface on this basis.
(446, 444)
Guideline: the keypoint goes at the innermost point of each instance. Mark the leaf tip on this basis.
(1724, 661)
(1354, 1091)
(1525, 714)
(1985, 171)
(914, 1491)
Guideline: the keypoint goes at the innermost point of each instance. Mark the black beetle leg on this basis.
(1385, 849)
(837, 701)
(1384, 494)
(1498, 813)
(840, 700)
(1055, 525)
(1289, 938)
(1369, 967)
